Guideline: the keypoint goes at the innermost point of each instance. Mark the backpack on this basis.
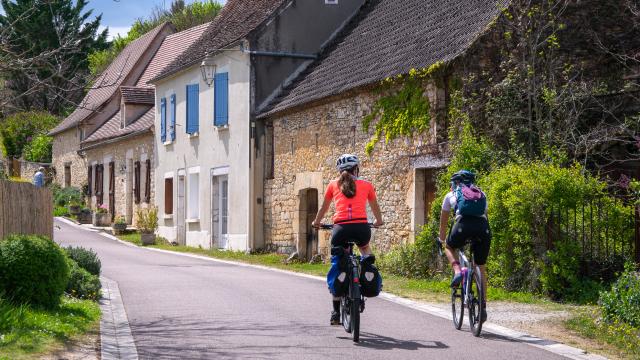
(470, 200)
(370, 279)
(337, 276)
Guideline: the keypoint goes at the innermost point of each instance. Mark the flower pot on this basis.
(101, 219)
(148, 239)
(74, 209)
(85, 217)
(119, 228)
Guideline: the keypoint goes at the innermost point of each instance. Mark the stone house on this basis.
(99, 105)
(120, 153)
(209, 148)
(319, 116)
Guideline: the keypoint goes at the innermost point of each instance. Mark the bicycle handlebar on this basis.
(330, 226)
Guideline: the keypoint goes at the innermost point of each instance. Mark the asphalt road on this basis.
(185, 308)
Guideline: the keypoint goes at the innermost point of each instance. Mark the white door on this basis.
(181, 230)
(224, 211)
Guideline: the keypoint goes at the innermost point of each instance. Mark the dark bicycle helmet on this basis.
(464, 176)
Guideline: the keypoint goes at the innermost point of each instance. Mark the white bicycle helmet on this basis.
(346, 162)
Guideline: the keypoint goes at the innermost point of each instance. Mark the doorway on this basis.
(220, 211)
(112, 190)
(307, 236)
(180, 221)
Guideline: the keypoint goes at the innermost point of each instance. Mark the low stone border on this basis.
(115, 333)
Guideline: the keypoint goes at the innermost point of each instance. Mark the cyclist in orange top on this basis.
(350, 195)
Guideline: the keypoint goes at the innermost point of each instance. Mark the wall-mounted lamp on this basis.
(208, 69)
(123, 168)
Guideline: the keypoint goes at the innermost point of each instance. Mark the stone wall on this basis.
(65, 152)
(307, 143)
(124, 153)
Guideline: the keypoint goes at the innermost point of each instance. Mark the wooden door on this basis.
(112, 190)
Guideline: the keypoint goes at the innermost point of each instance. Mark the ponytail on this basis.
(347, 185)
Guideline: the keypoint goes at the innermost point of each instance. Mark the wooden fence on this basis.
(25, 209)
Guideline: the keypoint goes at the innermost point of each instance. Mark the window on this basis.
(147, 182)
(163, 120)
(172, 114)
(194, 196)
(269, 152)
(193, 107)
(99, 184)
(136, 182)
(168, 196)
(331, 2)
(67, 175)
(221, 99)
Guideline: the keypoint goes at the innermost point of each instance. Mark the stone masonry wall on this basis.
(310, 141)
(65, 151)
(138, 148)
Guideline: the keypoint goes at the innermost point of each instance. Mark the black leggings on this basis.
(472, 227)
(358, 233)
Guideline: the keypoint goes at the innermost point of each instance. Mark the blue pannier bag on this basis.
(337, 276)
(470, 200)
(370, 278)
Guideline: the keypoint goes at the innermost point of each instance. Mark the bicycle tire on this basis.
(475, 303)
(457, 306)
(355, 319)
(345, 311)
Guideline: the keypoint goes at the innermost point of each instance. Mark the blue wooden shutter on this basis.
(193, 107)
(163, 119)
(172, 127)
(221, 99)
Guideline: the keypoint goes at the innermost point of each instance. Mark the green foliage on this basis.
(34, 261)
(18, 130)
(82, 284)
(147, 220)
(39, 149)
(560, 277)
(10, 314)
(85, 258)
(45, 53)
(67, 196)
(622, 336)
(60, 211)
(413, 260)
(622, 302)
(182, 16)
(403, 109)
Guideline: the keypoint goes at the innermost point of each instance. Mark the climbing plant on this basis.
(403, 108)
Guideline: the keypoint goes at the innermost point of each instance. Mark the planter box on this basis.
(85, 218)
(119, 228)
(148, 239)
(74, 209)
(101, 219)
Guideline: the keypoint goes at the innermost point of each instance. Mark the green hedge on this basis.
(622, 302)
(33, 270)
(82, 284)
(85, 258)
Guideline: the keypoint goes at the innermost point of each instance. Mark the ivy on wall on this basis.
(403, 109)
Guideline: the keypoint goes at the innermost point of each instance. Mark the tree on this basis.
(180, 15)
(43, 53)
(19, 129)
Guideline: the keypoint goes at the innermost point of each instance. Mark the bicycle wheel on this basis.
(475, 304)
(457, 306)
(355, 319)
(345, 313)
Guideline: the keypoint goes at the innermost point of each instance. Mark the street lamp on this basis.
(208, 69)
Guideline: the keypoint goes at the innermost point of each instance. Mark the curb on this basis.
(116, 339)
(547, 345)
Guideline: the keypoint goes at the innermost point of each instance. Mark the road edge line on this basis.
(528, 339)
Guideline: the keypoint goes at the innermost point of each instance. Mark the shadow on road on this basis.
(379, 342)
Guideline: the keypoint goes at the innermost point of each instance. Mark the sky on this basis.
(118, 15)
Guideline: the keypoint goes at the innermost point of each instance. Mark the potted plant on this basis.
(74, 208)
(101, 217)
(119, 226)
(84, 217)
(147, 224)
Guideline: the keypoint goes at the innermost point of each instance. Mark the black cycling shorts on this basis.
(475, 228)
(358, 233)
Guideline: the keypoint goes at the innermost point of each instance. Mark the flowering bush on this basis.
(102, 209)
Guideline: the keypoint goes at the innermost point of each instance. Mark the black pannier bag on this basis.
(337, 275)
(370, 279)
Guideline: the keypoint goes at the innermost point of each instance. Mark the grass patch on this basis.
(132, 237)
(27, 332)
(619, 339)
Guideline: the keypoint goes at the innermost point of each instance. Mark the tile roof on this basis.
(387, 38)
(111, 129)
(138, 95)
(110, 80)
(172, 46)
(237, 19)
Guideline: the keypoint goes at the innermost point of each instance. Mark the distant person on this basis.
(38, 178)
